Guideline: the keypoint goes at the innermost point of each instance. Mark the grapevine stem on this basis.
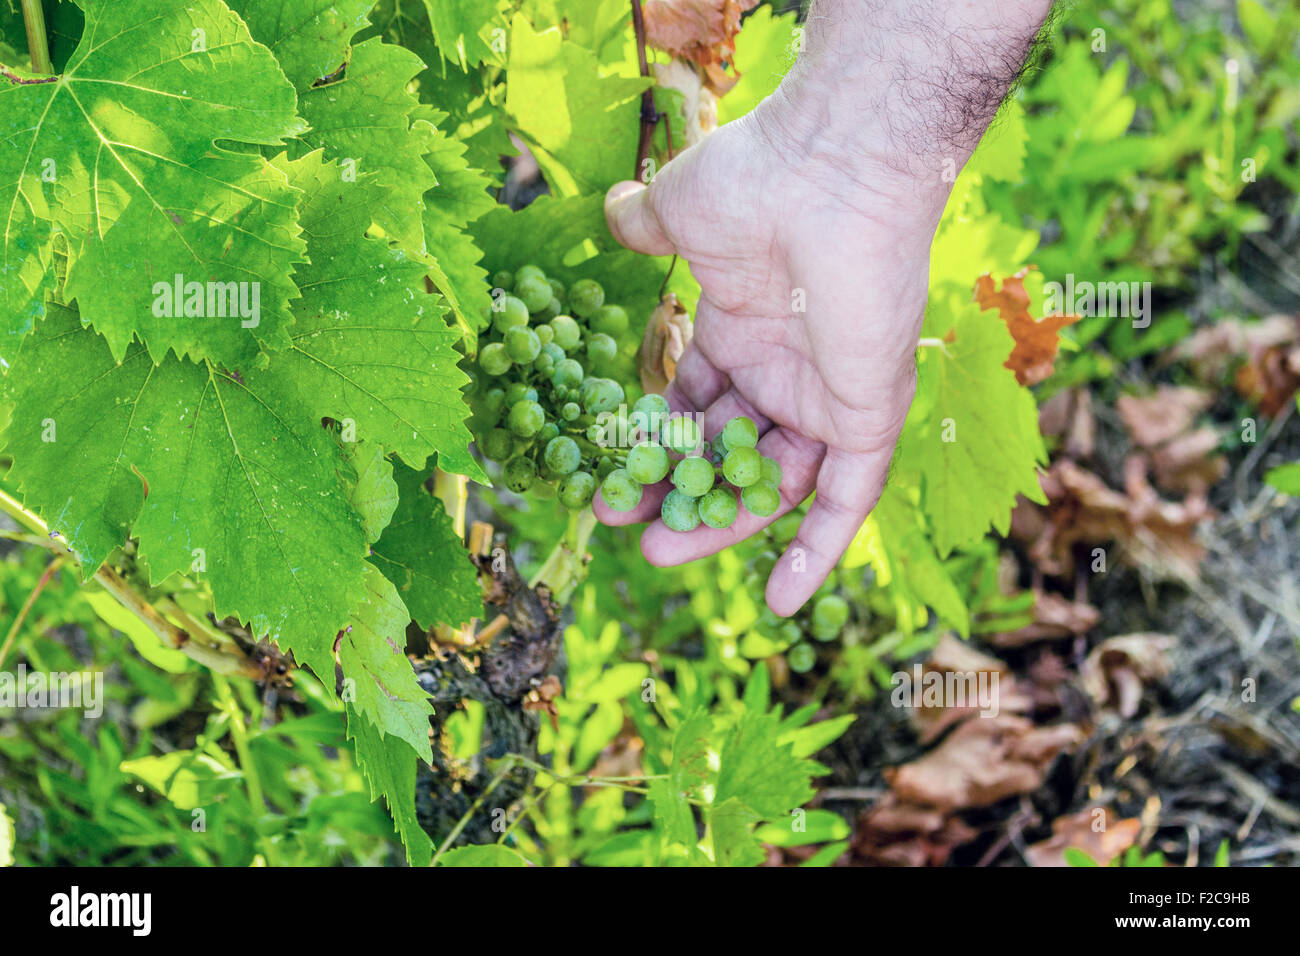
(509, 763)
(37, 44)
(566, 566)
(27, 606)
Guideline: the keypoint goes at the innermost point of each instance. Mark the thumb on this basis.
(633, 220)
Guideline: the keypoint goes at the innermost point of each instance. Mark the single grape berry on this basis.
(522, 344)
(693, 476)
(802, 658)
(681, 434)
(544, 364)
(585, 297)
(577, 490)
(601, 349)
(761, 498)
(518, 391)
(526, 418)
(742, 466)
(567, 332)
(601, 395)
(771, 472)
(494, 400)
(519, 474)
(549, 430)
(740, 432)
(620, 490)
(604, 467)
(718, 508)
(503, 280)
(507, 312)
(650, 412)
(562, 455)
(494, 359)
(529, 270)
(567, 372)
(535, 293)
(557, 288)
(679, 512)
(498, 445)
(648, 463)
(570, 411)
(596, 434)
(829, 616)
(551, 349)
(545, 334)
(610, 319)
(550, 311)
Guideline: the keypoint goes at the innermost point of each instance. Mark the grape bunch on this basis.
(550, 369)
(707, 477)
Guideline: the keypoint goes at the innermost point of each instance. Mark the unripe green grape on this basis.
(503, 280)
(740, 432)
(545, 334)
(508, 312)
(577, 490)
(610, 319)
(497, 445)
(596, 434)
(529, 270)
(829, 616)
(651, 411)
(567, 372)
(620, 490)
(562, 455)
(519, 474)
(585, 297)
(771, 472)
(494, 400)
(604, 467)
(601, 350)
(681, 434)
(742, 466)
(567, 332)
(535, 293)
(761, 498)
(554, 351)
(549, 430)
(549, 311)
(544, 364)
(718, 508)
(518, 391)
(522, 344)
(570, 411)
(526, 418)
(802, 658)
(557, 288)
(679, 512)
(648, 463)
(719, 449)
(494, 359)
(693, 476)
(601, 395)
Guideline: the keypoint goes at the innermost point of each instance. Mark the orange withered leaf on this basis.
(1036, 339)
(702, 31)
(667, 334)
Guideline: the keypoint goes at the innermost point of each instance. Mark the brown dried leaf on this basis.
(1154, 419)
(894, 833)
(1068, 415)
(1116, 670)
(667, 334)
(1209, 350)
(1271, 378)
(702, 31)
(699, 103)
(1080, 830)
(1034, 354)
(955, 657)
(981, 762)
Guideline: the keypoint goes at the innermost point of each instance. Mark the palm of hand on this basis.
(810, 308)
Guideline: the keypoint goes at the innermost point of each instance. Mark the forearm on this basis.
(906, 88)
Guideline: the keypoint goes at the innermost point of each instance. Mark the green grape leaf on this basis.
(309, 38)
(389, 766)
(585, 125)
(373, 490)
(759, 771)
(363, 120)
(490, 854)
(972, 437)
(463, 30)
(371, 346)
(118, 159)
(732, 823)
(376, 670)
(213, 475)
(423, 556)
